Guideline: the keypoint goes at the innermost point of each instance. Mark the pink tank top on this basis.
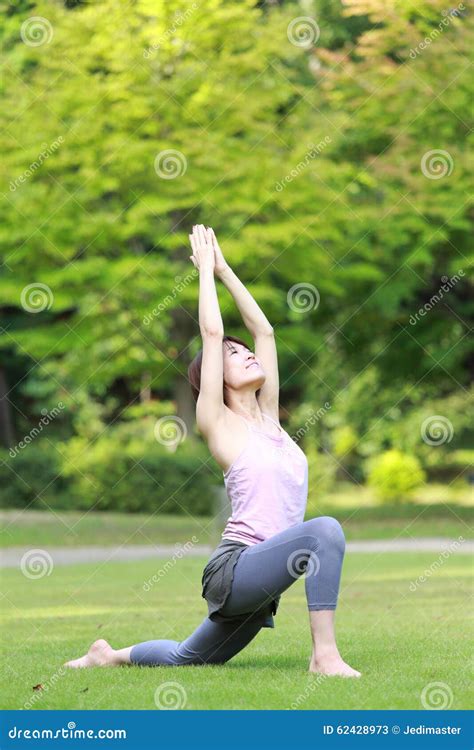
(267, 486)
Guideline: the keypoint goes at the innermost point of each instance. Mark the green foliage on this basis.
(126, 469)
(220, 82)
(345, 440)
(322, 469)
(31, 478)
(394, 475)
(122, 469)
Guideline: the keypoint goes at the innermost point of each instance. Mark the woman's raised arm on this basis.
(258, 326)
(254, 318)
(210, 404)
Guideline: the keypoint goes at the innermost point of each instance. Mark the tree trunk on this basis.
(145, 387)
(182, 332)
(6, 425)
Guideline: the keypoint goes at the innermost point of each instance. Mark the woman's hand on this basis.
(221, 264)
(203, 248)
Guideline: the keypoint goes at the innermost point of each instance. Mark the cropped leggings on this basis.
(263, 572)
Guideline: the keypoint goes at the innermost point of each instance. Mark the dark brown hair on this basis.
(194, 369)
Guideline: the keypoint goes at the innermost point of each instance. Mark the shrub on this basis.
(321, 478)
(125, 469)
(139, 476)
(345, 449)
(30, 475)
(394, 474)
(344, 441)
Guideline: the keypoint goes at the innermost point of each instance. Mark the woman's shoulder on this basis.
(270, 410)
(227, 440)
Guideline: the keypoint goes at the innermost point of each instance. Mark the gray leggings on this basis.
(263, 572)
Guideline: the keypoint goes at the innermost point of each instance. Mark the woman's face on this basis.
(241, 367)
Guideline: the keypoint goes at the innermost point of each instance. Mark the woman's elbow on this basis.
(213, 333)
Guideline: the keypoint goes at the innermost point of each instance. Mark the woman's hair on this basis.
(194, 369)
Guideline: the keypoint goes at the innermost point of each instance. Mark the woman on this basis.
(266, 545)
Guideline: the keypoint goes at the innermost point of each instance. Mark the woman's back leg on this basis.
(211, 643)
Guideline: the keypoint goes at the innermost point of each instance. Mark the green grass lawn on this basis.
(76, 529)
(401, 640)
(437, 510)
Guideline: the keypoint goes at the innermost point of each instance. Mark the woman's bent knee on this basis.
(327, 530)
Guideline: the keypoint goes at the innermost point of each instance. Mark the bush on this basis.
(30, 475)
(322, 470)
(394, 474)
(344, 440)
(125, 469)
(133, 474)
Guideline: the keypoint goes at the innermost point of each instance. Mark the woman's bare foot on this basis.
(100, 654)
(331, 664)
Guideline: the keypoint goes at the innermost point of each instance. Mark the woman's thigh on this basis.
(266, 570)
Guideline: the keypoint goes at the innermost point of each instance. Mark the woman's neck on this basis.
(247, 408)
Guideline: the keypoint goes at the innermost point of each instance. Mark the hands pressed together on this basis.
(206, 250)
